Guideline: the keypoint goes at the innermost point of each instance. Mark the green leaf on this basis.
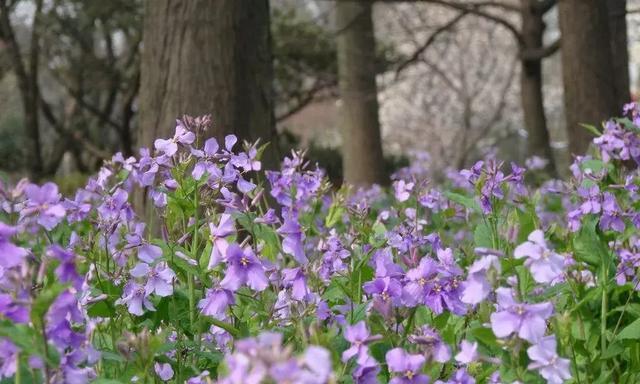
(20, 334)
(44, 300)
(591, 128)
(335, 214)
(465, 201)
(485, 336)
(108, 355)
(631, 331)
(100, 309)
(482, 236)
(224, 325)
(613, 350)
(378, 236)
(526, 220)
(588, 246)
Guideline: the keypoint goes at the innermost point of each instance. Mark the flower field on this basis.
(235, 274)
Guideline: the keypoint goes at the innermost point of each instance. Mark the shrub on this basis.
(484, 280)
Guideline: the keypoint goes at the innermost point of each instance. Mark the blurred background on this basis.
(366, 86)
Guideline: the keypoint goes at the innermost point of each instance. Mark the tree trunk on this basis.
(620, 54)
(589, 93)
(535, 121)
(208, 57)
(363, 163)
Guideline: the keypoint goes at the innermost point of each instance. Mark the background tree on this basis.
(619, 49)
(363, 163)
(587, 67)
(207, 57)
(78, 82)
(529, 36)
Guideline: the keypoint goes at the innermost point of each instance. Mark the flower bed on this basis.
(247, 276)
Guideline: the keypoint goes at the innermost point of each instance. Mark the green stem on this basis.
(18, 376)
(604, 309)
(626, 305)
(409, 326)
(192, 305)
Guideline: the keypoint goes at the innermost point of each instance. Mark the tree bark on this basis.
(208, 57)
(538, 141)
(619, 50)
(362, 159)
(589, 92)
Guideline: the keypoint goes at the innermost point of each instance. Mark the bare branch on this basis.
(533, 54)
(475, 8)
(73, 135)
(416, 55)
(506, 6)
(305, 99)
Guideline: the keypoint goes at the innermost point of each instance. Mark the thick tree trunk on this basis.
(589, 92)
(619, 50)
(538, 141)
(363, 163)
(208, 57)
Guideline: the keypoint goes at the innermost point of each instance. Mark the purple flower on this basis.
(592, 200)
(159, 278)
(358, 335)
(402, 190)
(295, 279)
(477, 287)
(216, 302)
(12, 310)
(170, 147)
(546, 361)
(292, 239)
(62, 319)
(468, 352)
(317, 362)
(43, 203)
(629, 263)
(149, 253)
(164, 371)
(611, 214)
(536, 162)
(243, 268)
(207, 161)
(386, 292)
(528, 321)
(366, 372)
(544, 264)
(66, 270)
(433, 346)
(225, 228)
(202, 378)
(8, 358)
(115, 206)
(406, 366)
(419, 278)
(434, 285)
(135, 298)
(460, 377)
(12, 255)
